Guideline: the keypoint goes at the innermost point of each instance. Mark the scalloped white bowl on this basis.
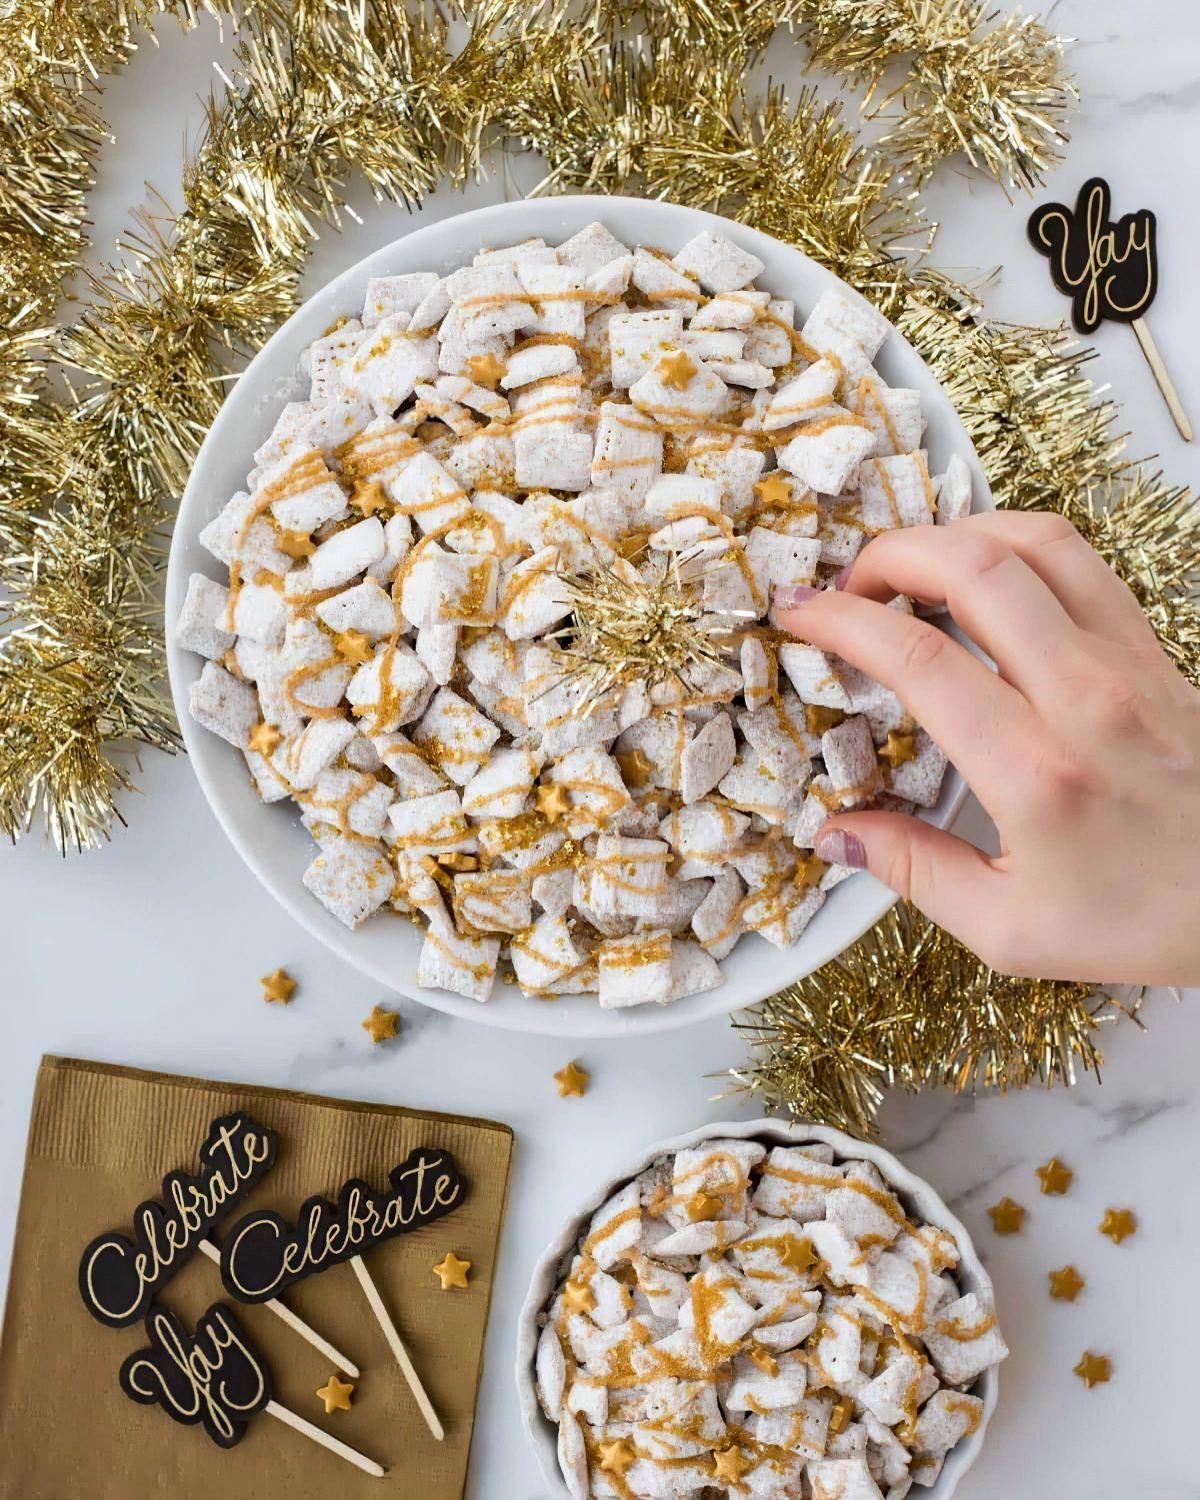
(915, 1193)
(273, 841)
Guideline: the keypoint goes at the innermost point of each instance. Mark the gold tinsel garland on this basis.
(648, 98)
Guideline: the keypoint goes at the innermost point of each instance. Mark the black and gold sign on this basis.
(1108, 270)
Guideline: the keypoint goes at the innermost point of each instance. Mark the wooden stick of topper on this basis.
(118, 1278)
(260, 1255)
(215, 1377)
(1108, 270)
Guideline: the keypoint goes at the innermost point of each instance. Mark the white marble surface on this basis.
(147, 954)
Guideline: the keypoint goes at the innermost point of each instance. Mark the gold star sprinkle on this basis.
(1007, 1216)
(485, 369)
(277, 986)
(676, 369)
(616, 1458)
(572, 1081)
(336, 1395)
(820, 720)
(730, 1464)
(1118, 1223)
(636, 767)
(703, 1207)
(368, 496)
(1094, 1369)
(353, 645)
(773, 490)
(900, 748)
(764, 1360)
(296, 544)
(381, 1025)
(1054, 1177)
(578, 1297)
(1066, 1285)
(263, 738)
(841, 1414)
(799, 1255)
(553, 802)
(452, 1271)
(809, 870)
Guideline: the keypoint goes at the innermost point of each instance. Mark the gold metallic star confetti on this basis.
(1054, 1177)
(336, 1395)
(264, 738)
(1094, 1369)
(572, 1081)
(820, 720)
(900, 748)
(553, 802)
(1118, 1224)
(616, 1457)
(775, 489)
(452, 1272)
(485, 369)
(763, 1360)
(1007, 1216)
(578, 1297)
(278, 986)
(1066, 1285)
(676, 369)
(636, 767)
(730, 1464)
(368, 496)
(353, 645)
(295, 544)
(381, 1025)
(798, 1255)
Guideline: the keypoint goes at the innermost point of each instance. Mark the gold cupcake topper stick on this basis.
(1108, 270)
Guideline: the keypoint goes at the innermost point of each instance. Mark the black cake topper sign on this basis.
(118, 1278)
(214, 1377)
(260, 1255)
(1110, 271)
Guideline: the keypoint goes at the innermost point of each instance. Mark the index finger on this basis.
(980, 721)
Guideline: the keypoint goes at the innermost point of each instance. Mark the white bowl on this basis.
(273, 841)
(916, 1195)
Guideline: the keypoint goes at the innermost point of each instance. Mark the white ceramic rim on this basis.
(913, 1191)
(755, 969)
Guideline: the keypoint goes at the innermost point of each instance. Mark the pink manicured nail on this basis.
(837, 847)
(843, 577)
(793, 596)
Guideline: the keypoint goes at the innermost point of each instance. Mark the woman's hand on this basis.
(1084, 747)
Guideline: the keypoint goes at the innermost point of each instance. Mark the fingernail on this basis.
(793, 596)
(843, 577)
(837, 847)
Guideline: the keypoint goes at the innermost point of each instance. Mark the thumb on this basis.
(951, 881)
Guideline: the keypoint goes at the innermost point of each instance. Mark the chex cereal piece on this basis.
(907, 1383)
(735, 472)
(638, 340)
(436, 646)
(959, 1356)
(347, 553)
(351, 802)
(500, 787)
(863, 1207)
(593, 247)
(716, 344)
(386, 366)
(538, 363)
(222, 704)
(882, 709)
(954, 492)
(477, 397)
(782, 915)
(892, 413)
(747, 373)
(770, 734)
(301, 760)
(781, 561)
(769, 338)
(693, 970)
(717, 263)
(335, 423)
(456, 735)
(431, 825)
(758, 1390)
(807, 398)
(259, 613)
(388, 295)
(849, 753)
(848, 1479)
(548, 458)
(594, 785)
(428, 493)
(624, 872)
(490, 298)
(920, 780)
(662, 738)
(288, 427)
(328, 356)
(556, 293)
(432, 308)
(392, 689)
(534, 250)
(661, 284)
(815, 675)
(498, 901)
(450, 960)
(853, 317)
(545, 955)
(795, 1182)
(635, 970)
(826, 455)
(717, 920)
(365, 608)
(752, 786)
(349, 878)
(415, 777)
(896, 492)
(705, 759)
(946, 1418)
(628, 450)
(679, 395)
(240, 535)
(704, 835)
(201, 624)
